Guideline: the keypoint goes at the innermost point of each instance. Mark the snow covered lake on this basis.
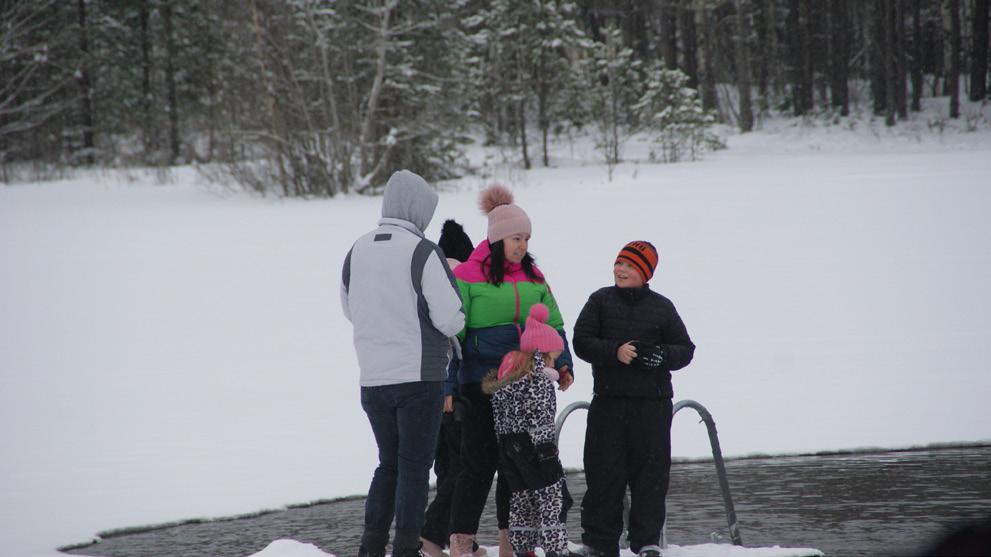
(171, 350)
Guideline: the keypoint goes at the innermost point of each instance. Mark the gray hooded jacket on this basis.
(399, 293)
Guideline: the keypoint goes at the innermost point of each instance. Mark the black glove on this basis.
(649, 356)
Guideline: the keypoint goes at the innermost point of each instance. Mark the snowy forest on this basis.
(313, 98)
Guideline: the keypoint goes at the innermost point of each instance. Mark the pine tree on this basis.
(614, 82)
(671, 113)
(34, 91)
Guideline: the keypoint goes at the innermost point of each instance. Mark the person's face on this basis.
(626, 275)
(514, 247)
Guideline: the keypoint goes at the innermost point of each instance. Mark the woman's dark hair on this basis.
(496, 273)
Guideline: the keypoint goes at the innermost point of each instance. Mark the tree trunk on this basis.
(764, 62)
(710, 101)
(916, 55)
(935, 45)
(368, 122)
(979, 60)
(86, 87)
(274, 118)
(689, 43)
(808, 71)
(953, 81)
(635, 28)
(878, 58)
(795, 56)
(889, 62)
(743, 68)
(592, 22)
(543, 120)
(669, 33)
(173, 108)
(944, 9)
(819, 50)
(901, 95)
(521, 125)
(840, 56)
(148, 142)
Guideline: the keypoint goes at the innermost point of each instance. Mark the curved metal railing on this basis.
(717, 454)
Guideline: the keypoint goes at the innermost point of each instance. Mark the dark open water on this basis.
(890, 503)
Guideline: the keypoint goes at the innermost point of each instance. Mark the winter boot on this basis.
(650, 551)
(364, 552)
(373, 544)
(408, 552)
(430, 549)
(505, 548)
(461, 545)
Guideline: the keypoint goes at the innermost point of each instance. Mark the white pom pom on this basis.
(494, 196)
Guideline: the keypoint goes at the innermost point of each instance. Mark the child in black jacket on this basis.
(634, 338)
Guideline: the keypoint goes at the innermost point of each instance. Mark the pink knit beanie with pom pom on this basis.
(505, 218)
(538, 335)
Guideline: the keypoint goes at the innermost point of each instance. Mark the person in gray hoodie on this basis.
(399, 293)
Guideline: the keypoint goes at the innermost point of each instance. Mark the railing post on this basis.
(563, 415)
(717, 457)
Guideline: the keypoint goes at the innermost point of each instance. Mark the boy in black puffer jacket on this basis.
(634, 338)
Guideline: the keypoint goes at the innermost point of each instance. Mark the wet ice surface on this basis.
(845, 505)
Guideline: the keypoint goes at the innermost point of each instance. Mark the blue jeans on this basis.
(405, 419)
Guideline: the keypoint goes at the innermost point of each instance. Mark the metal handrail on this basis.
(717, 454)
(717, 457)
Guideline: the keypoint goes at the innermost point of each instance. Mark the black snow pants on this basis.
(447, 467)
(479, 461)
(627, 443)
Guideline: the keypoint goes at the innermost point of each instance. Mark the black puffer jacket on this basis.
(614, 316)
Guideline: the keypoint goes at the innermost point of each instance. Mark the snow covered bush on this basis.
(672, 114)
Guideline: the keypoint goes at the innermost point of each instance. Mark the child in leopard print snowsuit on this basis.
(524, 407)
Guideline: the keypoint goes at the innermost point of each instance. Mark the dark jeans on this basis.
(627, 443)
(405, 419)
(479, 460)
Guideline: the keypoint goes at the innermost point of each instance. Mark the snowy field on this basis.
(173, 350)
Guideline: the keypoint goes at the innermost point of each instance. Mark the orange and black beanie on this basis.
(643, 257)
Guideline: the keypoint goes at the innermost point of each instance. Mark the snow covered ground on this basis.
(292, 548)
(176, 350)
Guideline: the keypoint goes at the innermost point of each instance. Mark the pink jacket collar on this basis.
(474, 270)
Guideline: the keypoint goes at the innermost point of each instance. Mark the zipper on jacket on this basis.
(516, 318)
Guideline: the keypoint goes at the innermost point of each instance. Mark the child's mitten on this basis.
(650, 356)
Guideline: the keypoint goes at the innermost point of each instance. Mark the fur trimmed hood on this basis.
(491, 382)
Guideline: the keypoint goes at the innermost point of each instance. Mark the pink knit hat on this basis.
(538, 335)
(505, 218)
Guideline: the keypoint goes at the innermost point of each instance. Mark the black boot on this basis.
(373, 544)
(408, 551)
